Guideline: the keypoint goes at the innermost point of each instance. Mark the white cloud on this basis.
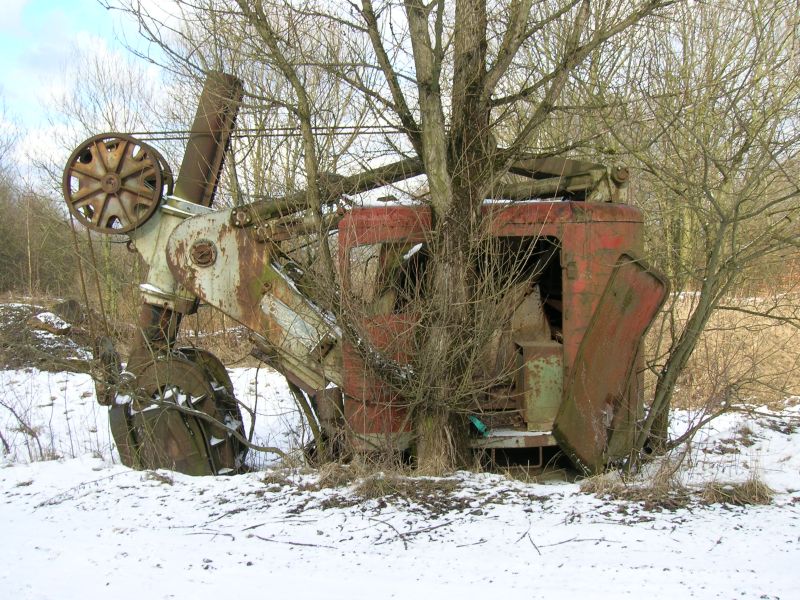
(11, 14)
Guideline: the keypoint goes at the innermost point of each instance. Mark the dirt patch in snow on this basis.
(24, 344)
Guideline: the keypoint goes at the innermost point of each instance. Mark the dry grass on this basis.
(159, 476)
(415, 489)
(661, 494)
(432, 495)
(435, 495)
(336, 475)
(549, 473)
(661, 490)
(740, 358)
(752, 491)
(279, 477)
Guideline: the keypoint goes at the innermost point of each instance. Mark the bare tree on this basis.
(714, 129)
(450, 81)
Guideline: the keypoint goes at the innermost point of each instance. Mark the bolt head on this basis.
(203, 253)
(111, 183)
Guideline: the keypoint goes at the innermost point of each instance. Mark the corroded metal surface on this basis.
(250, 287)
(374, 414)
(204, 253)
(113, 183)
(541, 375)
(209, 138)
(598, 403)
(182, 416)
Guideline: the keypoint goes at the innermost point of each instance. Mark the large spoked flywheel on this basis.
(184, 418)
(113, 182)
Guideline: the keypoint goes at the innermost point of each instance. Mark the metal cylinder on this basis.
(209, 138)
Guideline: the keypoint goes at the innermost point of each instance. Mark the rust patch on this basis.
(600, 381)
(204, 253)
(253, 276)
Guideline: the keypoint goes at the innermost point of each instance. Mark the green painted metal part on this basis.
(543, 375)
(479, 425)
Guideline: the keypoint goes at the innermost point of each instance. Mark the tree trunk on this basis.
(444, 352)
(457, 193)
(714, 285)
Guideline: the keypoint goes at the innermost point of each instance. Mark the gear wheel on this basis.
(113, 183)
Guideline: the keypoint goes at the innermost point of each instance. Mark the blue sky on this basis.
(38, 38)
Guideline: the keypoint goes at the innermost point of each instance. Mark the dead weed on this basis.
(159, 477)
(660, 491)
(751, 492)
(336, 475)
(380, 486)
(741, 356)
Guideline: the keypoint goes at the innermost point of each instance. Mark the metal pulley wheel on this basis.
(184, 418)
(113, 182)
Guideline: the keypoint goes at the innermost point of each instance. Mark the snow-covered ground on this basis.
(79, 525)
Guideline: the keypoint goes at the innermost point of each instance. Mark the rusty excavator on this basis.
(573, 335)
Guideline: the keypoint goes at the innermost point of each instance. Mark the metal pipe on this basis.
(197, 182)
(209, 138)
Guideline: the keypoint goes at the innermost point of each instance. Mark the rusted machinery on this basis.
(566, 360)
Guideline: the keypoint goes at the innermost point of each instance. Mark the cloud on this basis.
(11, 14)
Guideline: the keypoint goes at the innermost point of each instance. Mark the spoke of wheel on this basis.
(100, 209)
(87, 170)
(118, 155)
(131, 168)
(85, 192)
(123, 206)
(83, 203)
(140, 190)
(100, 150)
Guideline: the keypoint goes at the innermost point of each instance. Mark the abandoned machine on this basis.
(566, 352)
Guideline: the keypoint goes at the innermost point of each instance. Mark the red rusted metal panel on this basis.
(589, 255)
(599, 383)
(371, 408)
(591, 237)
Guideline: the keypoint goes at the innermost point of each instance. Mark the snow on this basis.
(52, 320)
(414, 249)
(83, 526)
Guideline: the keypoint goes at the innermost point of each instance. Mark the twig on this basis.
(530, 539)
(213, 533)
(400, 535)
(293, 543)
(524, 534)
(575, 539)
(6, 447)
(61, 496)
(478, 543)
(228, 513)
(418, 531)
(25, 428)
(288, 520)
(255, 406)
(534, 544)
